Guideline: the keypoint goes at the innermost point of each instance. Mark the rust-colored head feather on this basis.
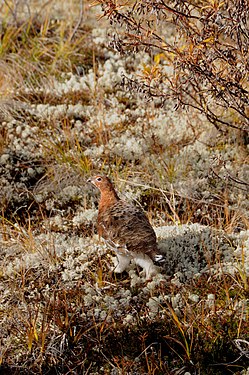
(108, 193)
(103, 183)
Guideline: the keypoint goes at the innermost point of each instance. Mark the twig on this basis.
(201, 201)
(79, 21)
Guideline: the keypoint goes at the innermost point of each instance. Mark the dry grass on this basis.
(96, 322)
(52, 327)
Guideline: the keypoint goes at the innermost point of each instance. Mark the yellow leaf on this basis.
(100, 277)
(159, 57)
(30, 340)
(35, 334)
(208, 40)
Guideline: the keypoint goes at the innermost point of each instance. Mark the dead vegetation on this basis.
(64, 116)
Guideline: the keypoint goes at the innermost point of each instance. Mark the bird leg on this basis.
(122, 262)
(146, 263)
(116, 247)
(111, 245)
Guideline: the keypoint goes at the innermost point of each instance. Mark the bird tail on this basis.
(159, 259)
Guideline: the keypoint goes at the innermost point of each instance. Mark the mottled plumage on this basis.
(126, 229)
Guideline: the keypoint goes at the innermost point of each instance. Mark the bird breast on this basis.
(126, 225)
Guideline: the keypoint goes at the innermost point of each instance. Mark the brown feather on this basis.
(123, 224)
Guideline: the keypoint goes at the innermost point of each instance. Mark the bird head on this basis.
(101, 182)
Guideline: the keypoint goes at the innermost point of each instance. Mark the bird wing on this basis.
(127, 226)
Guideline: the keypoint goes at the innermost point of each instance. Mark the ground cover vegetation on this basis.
(155, 94)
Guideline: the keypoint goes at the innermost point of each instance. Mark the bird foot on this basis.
(121, 263)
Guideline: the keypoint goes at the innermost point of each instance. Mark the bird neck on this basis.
(108, 197)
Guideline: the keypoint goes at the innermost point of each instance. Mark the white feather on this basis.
(146, 263)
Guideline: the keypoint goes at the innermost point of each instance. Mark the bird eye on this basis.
(98, 178)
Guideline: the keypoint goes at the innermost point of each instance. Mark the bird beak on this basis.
(89, 180)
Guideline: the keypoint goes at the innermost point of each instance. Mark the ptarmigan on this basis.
(126, 230)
